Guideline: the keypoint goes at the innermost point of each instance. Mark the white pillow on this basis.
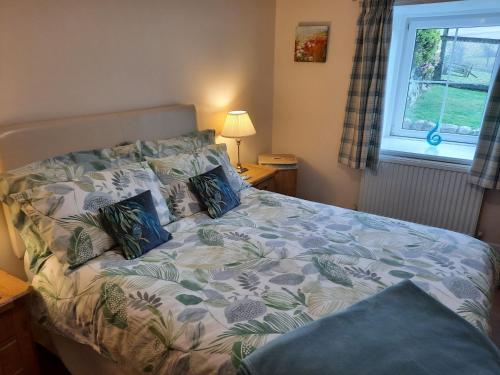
(66, 213)
(174, 172)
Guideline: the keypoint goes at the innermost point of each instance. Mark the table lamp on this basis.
(238, 125)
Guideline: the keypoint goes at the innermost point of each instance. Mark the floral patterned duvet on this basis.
(221, 288)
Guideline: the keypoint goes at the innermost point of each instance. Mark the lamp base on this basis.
(240, 169)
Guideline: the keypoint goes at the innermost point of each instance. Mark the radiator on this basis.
(429, 193)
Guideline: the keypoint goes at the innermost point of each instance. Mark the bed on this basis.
(223, 287)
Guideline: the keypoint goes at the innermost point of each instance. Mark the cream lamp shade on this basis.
(238, 125)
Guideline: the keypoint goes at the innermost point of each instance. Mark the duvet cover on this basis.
(223, 287)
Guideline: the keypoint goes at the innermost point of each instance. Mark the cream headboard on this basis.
(21, 144)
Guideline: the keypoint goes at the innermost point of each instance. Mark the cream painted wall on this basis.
(489, 221)
(310, 98)
(309, 105)
(71, 57)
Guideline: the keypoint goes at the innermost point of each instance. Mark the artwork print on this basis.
(311, 43)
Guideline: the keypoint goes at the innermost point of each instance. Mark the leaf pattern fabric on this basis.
(215, 193)
(221, 288)
(73, 166)
(175, 171)
(134, 225)
(67, 167)
(172, 146)
(62, 168)
(65, 214)
(181, 196)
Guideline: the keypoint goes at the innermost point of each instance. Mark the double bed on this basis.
(221, 288)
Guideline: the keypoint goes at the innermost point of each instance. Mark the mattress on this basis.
(223, 287)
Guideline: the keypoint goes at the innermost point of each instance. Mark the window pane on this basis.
(451, 73)
(426, 53)
(464, 109)
(423, 105)
(471, 58)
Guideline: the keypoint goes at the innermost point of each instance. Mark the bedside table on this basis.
(260, 177)
(286, 175)
(17, 352)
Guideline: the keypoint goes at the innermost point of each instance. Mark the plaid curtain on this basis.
(485, 170)
(360, 143)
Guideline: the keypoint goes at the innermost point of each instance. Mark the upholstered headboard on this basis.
(21, 144)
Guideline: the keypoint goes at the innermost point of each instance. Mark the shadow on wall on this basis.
(313, 184)
(488, 220)
(8, 260)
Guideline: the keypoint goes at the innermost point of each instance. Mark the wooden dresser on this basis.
(17, 354)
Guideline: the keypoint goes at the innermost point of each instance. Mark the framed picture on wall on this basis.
(311, 42)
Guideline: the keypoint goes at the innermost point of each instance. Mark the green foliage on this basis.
(128, 221)
(463, 107)
(215, 192)
(472, 310)
(80, 247)
(332, 271)
(426, 47)
(269, 201)
(113, 302)
(191, 285)
(166, 333)
(165, 271)
(210, 237)
(86, 219)
(372, 222)
(239, 352)
(188, 299)
(275, 323)
(281, 300)
(401, 274)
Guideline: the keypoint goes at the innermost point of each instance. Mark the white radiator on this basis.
(430, 193)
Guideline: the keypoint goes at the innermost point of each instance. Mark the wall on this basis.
(310, 98)
(490, 216)
(72, 57)
(309, 105)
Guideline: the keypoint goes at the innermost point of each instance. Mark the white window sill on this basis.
(446, 152)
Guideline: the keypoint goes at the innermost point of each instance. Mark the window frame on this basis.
(407, 20)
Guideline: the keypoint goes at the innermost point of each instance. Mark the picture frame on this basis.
(311, 42)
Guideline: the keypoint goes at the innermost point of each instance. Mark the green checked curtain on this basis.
(485, 170)
(360, 143)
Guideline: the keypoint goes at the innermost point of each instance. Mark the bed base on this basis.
(79, 359)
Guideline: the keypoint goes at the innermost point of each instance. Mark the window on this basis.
(443, 60)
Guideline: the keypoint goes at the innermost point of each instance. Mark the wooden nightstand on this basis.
(286, 166)
(17, 353)
(260, 177)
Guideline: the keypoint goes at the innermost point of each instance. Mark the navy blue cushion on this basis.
(215, 192)
(134, 225)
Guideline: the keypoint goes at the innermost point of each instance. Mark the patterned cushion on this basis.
(174, 173)
(65, 213)
(57, 169)
(133, 223)
(182, 199)
(185, 143)
(215, 192)
(65, 167)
